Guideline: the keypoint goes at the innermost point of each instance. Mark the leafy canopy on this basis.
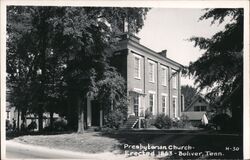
(220, 68)
(67, 46)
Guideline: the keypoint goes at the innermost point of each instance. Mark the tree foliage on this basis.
(220, 68)
(189, 93)
(67, 45)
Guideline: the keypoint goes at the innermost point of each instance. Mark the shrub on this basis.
(162, 121)
(8, 125)
(114, 119)
(222, 120)
(60, 124)
(182, 122)
(32, 126)
(148, 123)
(148, 114)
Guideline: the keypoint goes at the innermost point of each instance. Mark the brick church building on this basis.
(153, 81)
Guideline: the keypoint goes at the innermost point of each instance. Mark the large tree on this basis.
(64, 45)
(220, 68)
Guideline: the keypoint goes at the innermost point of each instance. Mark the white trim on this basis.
(139, 67)
(150, 61)
(152, 92)
(164, 94)
(137, 89)
(137, 55)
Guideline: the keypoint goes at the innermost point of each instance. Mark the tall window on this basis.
(151, 72)
(136, 104)
(174, 106)
(151, 102)
(163, 76)
(137, 67)
(164, 103)
(174, 82)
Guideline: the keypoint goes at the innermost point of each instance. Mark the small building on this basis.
(198, 107)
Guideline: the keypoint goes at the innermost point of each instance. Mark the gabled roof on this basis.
(195, 99)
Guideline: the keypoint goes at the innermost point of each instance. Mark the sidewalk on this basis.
(15, 150)
(44, 152)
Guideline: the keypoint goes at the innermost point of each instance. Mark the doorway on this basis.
(95, 107)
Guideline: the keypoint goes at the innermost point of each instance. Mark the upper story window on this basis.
(174, 81)
(151, 71)
(137, 68)
(163, 76)
(200, 108)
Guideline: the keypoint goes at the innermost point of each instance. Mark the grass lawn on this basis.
(94, 142)
(89, 142)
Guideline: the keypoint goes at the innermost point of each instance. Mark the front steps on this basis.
(131, 122)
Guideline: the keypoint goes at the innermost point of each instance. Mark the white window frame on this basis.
(137, 89)
(164, 95)
(164, 80)
(139, 69)
(153, 70)
(174, 108)
(153, 107)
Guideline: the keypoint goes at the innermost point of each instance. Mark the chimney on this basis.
(163, 53)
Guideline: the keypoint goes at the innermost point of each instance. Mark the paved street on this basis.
(16, 150)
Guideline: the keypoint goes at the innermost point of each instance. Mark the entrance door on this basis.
(95, 107)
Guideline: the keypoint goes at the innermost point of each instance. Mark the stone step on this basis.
(131, 122)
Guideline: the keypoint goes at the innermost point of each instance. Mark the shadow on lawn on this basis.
(211, 145)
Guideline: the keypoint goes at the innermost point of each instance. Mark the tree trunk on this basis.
(40, 120)
(18, 120)
(23, 118)
(80, 115)
(51, 119)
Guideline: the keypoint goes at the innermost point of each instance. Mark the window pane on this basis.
(136, 104)
(163, 76)
(174, 82)
(174, 105)
(196, 108)
(151, 102)
(203, 108)
(137, 67)
(163, 104)
(151, 72)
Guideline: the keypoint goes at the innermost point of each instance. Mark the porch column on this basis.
(170, 89)
(179, 94)
(89, 115)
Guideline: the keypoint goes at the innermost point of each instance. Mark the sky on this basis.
(169, 29)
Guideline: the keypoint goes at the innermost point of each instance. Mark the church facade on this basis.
(153, 81)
